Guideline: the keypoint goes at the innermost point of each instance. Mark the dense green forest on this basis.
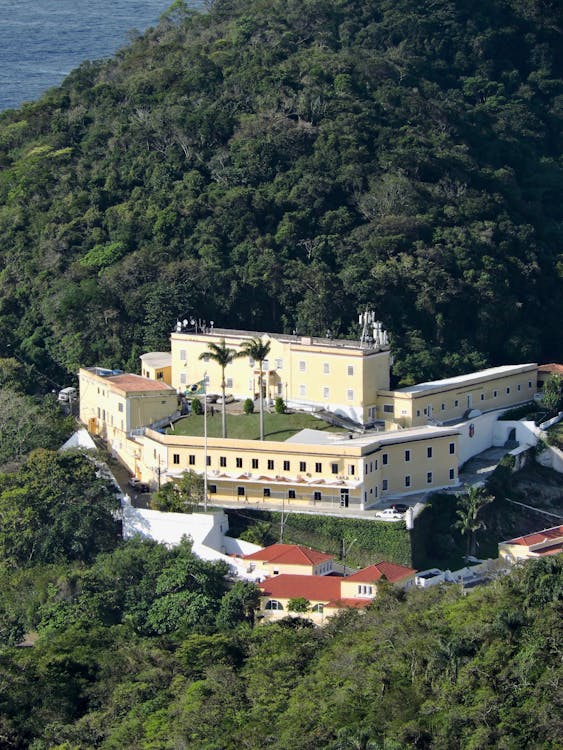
(279, 165)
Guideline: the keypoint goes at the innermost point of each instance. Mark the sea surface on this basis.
(41, 41)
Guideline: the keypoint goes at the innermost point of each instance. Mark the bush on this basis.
(519, 412)
(197, 406)
(248, 406)
(279, 405)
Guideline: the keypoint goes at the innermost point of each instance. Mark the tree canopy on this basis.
(280, 165)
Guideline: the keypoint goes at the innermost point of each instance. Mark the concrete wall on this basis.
(552, 458)
(169, 528)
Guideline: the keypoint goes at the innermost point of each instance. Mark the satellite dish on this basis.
(185, 323)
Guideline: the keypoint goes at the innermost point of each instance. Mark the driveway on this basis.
(480, 467)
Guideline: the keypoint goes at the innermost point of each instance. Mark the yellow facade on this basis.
(113, 405)
(157, 366)
(309, 373)
(444, 400)
(355, 473)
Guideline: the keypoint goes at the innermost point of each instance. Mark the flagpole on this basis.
(205, 442)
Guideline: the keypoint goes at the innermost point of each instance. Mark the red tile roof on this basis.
(391, 571)
(553, 367)
(553, 549)
(289, 554)
(130, 383)
(313, 588)
(555, 532)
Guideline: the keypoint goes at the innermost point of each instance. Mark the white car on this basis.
(228, 399)
(389, 514)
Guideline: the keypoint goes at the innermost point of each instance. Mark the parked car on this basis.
(211, 398)
(400, 507)
(229, 399)
(389, 514)
(67, 395)
(137, 485)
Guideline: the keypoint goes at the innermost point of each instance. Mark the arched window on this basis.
(318, 607)
(273, 604)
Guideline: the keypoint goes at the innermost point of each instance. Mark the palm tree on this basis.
(468, 508)
(223, 355)
(257, 350)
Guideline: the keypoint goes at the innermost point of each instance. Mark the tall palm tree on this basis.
(223, 355)
(257, 350)
(468, 508)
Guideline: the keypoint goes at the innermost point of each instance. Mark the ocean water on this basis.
(43, 40)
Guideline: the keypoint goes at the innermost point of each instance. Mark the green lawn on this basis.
(247, 426)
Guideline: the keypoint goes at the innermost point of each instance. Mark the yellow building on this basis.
(114, 404)
(325, 596)
(311, 468)
(537, 544)
(157, 366)
(309, 373)
(441, 401)
(289, 558)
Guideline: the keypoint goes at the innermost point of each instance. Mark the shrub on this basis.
(197, 406)
(279, 405)
(248, 406)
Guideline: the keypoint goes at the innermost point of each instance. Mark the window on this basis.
(251, 362)
(317, 496)
(407, 481)
(529, 383)
(183, 355)
(159, 375)
(223, 461)
(519, 387)
(326, 368)
(452, 449)
(238, 462)
(456, 403)
(350, 394)
(182, 378)
(286, 465)
(302, 365)
(191, 459)
(418, 412)
(229, 383)
(334, 468)
(495, 394)
(318, 467)
(318, 607)
(279, 364)
(302, 466)
(274, 605)
(240, 491)
(388, 408)
(208, 460)
(350, 369)
(302, 390)
(212, 489)
(376, 464)
(270, 464)
(267, 492)
(428, 477)
(443, 407)
(482, 397)
(266, 365)
(407, 455)
(351, 470)
(120, 407)
(429, 452)
(176, 458)
(254, 463)
(385, 459)
(384, 485)
(326, 392)
(291, 494)
(452, 473)
(507, 390)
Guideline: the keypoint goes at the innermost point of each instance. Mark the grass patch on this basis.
(278, 427)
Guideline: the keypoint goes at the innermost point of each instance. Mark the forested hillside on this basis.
(281, 164)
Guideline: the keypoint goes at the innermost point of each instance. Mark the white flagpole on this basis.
(205, 442)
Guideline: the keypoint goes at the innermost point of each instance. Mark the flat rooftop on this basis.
(288, 338)
(470, 379)
(157, 359)
(128, 382)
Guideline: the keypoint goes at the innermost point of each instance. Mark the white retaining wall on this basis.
(208, 529)
(487, 431)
